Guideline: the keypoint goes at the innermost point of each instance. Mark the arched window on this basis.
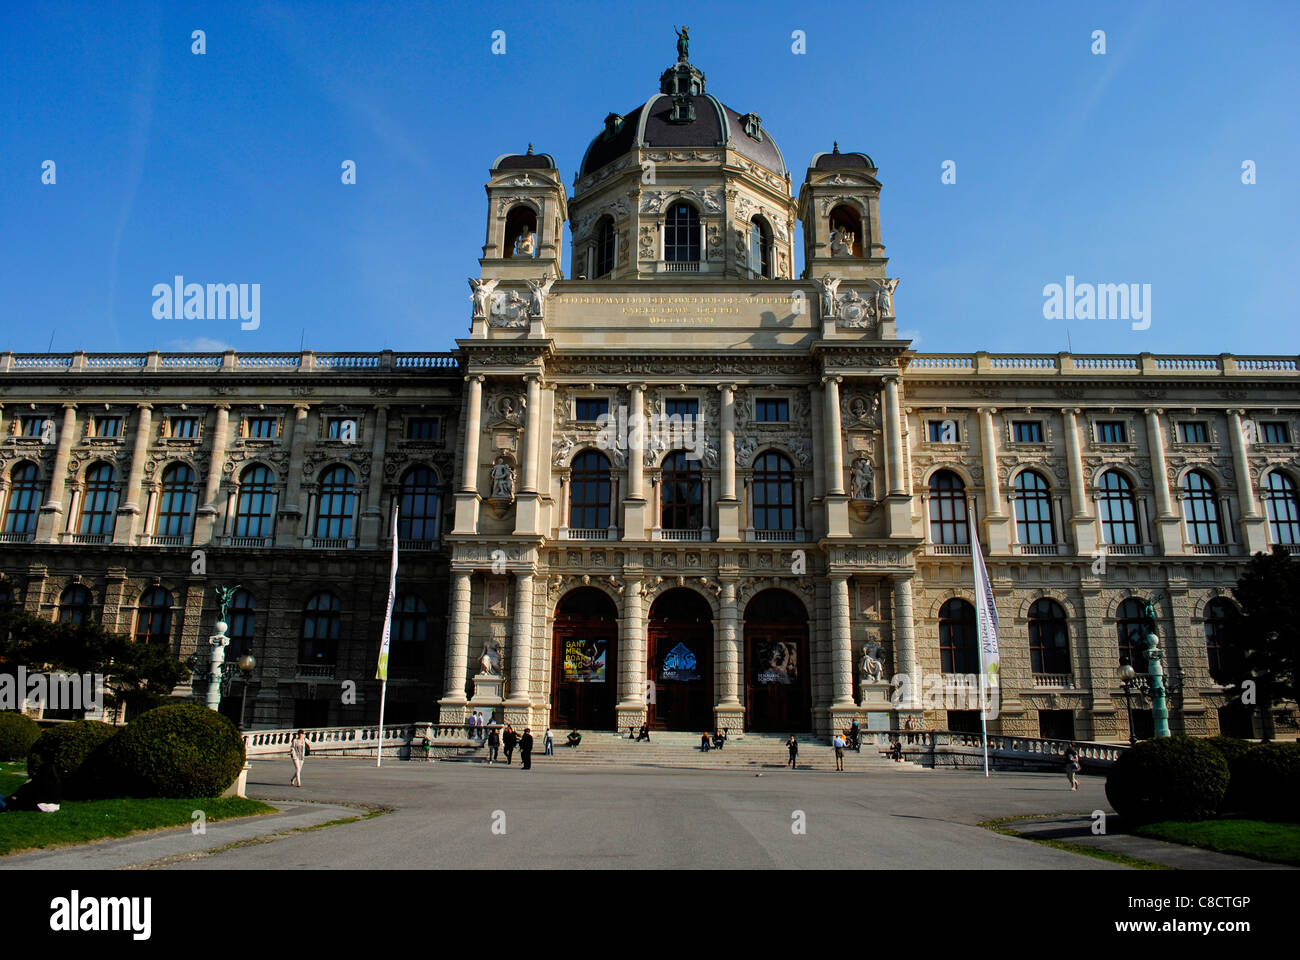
(418, 507)
(242, 623)
(845, 224)
(1034, 509)
(958, 639)
(153, 620)
(74, 604)
(681, 493)
(948, 509)
(24, 504)
(773, 492)
(1118, 509)
(409, 637)
(255, 508)
(604, 248)
(1049, 637)
(99, 502)
(521, 225)
(1132, 624)
(1201, 509)
(1225, 662)
(589, 491)
(682, 234)
(337, 504)
(1283, 508)
(321, 626)
(760, 248)
(177, 502)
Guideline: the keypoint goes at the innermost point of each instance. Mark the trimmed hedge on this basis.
(1233, 750)
(68, 746)
(17, 734)
(1173, 778)
(178, 750)
(1266, 781)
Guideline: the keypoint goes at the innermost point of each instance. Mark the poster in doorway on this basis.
(777, 661)
(680, 664)
(584, 660)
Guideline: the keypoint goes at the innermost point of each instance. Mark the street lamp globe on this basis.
(247, 662)
(1126, 671)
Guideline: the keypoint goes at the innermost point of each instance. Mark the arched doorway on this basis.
(777, 698)
(679, 668)
(584, 668)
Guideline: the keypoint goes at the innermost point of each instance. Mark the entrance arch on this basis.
(679, 668)
(584, 666)
(777, 664)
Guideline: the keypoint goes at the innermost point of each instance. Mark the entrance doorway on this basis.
(679, 667)
(584, 667)
(777, 696)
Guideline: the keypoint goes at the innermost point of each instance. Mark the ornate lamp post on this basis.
(246, 664)
(1128, 677)
(218, 643)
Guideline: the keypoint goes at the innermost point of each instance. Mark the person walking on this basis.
(526, 749)
(508, 740)
(548, 743)
(1072, 765)
(298, 751)
(793, 746)
(839, 751)
(494, 742)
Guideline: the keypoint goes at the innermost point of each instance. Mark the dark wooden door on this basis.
(584, 666)
(776, 678)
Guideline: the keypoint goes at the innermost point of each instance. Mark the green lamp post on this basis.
(1156, 673)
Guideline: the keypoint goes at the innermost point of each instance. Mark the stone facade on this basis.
(823, 503)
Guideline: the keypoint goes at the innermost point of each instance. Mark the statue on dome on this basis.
(524, 245)
(841, 241)
(683, 43)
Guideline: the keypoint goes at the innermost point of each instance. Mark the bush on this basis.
(180, 750)
(17, 734)
(1173, 778)
(68, 746)
(1233, 750)
(1266, 782)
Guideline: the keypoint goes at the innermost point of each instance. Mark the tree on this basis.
(138, 675)
(1261, 637)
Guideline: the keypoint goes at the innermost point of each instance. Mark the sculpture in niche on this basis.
(482, 296)
(886, 296)
(841, 241)
(829, 285)
(503, 480)
(873, 661)
(525, 243)
(490, 662)
(860, 409)
(537, 293)
(860, 481)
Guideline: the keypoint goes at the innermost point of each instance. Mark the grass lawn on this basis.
(1275, 842)
(83, 821)
(13, 774)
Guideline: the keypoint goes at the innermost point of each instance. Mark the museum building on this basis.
(663, 479)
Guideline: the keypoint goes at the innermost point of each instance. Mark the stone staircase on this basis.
(756, 752)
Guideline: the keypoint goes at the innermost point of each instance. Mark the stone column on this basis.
(48, 526)
(905, 654)
(631, 708)
(997, 520)
(1168, 522)
(129, 515)
(729, 711)
(374, 525)
(528, 499)
(728, 505)
(453, 699)
(207, 526)
(288, 529)
(1254, 525)
(841, 645)
(467, 497)
(1085, 532)
(521, 647)
(894, 439)
(837, 504)
(636, 427)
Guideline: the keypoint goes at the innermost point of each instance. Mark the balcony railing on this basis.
(315, 671)
(681, 266)
(1053, 680)
(331, 543)
(1125, 549)
(156, 540)
(1038, 549)
(599, 533)
(1211, 549)
(248, 541)
(950, 549)
(680, 535)
(17, 537)
(777, 536)
(88, 538)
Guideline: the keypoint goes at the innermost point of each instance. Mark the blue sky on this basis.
(1119, 168)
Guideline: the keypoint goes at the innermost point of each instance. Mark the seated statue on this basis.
(524, 245)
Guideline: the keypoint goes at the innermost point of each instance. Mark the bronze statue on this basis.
(683, 43)
(225, 595)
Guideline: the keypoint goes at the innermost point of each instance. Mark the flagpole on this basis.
(986, 620)
(381, 670)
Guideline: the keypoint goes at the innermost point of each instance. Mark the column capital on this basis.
(891, 378)
(531, 375)
(144, 405)
(639, 385)
(986, 411)
(898, 579)
(474, 378)
(1072, 411)
(301, 408)
(1156, 411)
(70, 405)
(832, 378)
(381, 407)
(221, 405)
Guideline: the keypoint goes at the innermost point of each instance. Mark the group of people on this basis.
(475, 723)
(508, 739)
(718, 741)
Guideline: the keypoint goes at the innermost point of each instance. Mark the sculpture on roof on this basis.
(683, 43)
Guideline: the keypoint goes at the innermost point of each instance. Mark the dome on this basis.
(842, 161)
(524, 161)
(683, 115)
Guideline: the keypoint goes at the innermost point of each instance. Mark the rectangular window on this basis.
(108, 427)
(772, 410)
(1112, 431)
(1027, 431)
(263, 428)
(422, 428)
(184, 428)
(341, 428)
(682, 408)
(942, 431)
(32, 426)
(1270, 431)
(1194, 431)
(591, 408)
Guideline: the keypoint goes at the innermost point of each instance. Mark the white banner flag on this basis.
(986, 619)
(382, 672)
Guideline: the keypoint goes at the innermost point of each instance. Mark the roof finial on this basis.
(530, 150)
(837, 147)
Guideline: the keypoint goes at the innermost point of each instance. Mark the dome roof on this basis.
(842, 161)
(524, 161)
(676, 120)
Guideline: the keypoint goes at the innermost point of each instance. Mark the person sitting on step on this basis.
(704, 742)
(575, 738)
(644, 734)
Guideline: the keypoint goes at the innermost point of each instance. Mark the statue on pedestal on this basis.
(525, 243)
(683, 43)
(490, 662)
(841, 241)
(860, 481)
(503, 480)
(872, 667)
